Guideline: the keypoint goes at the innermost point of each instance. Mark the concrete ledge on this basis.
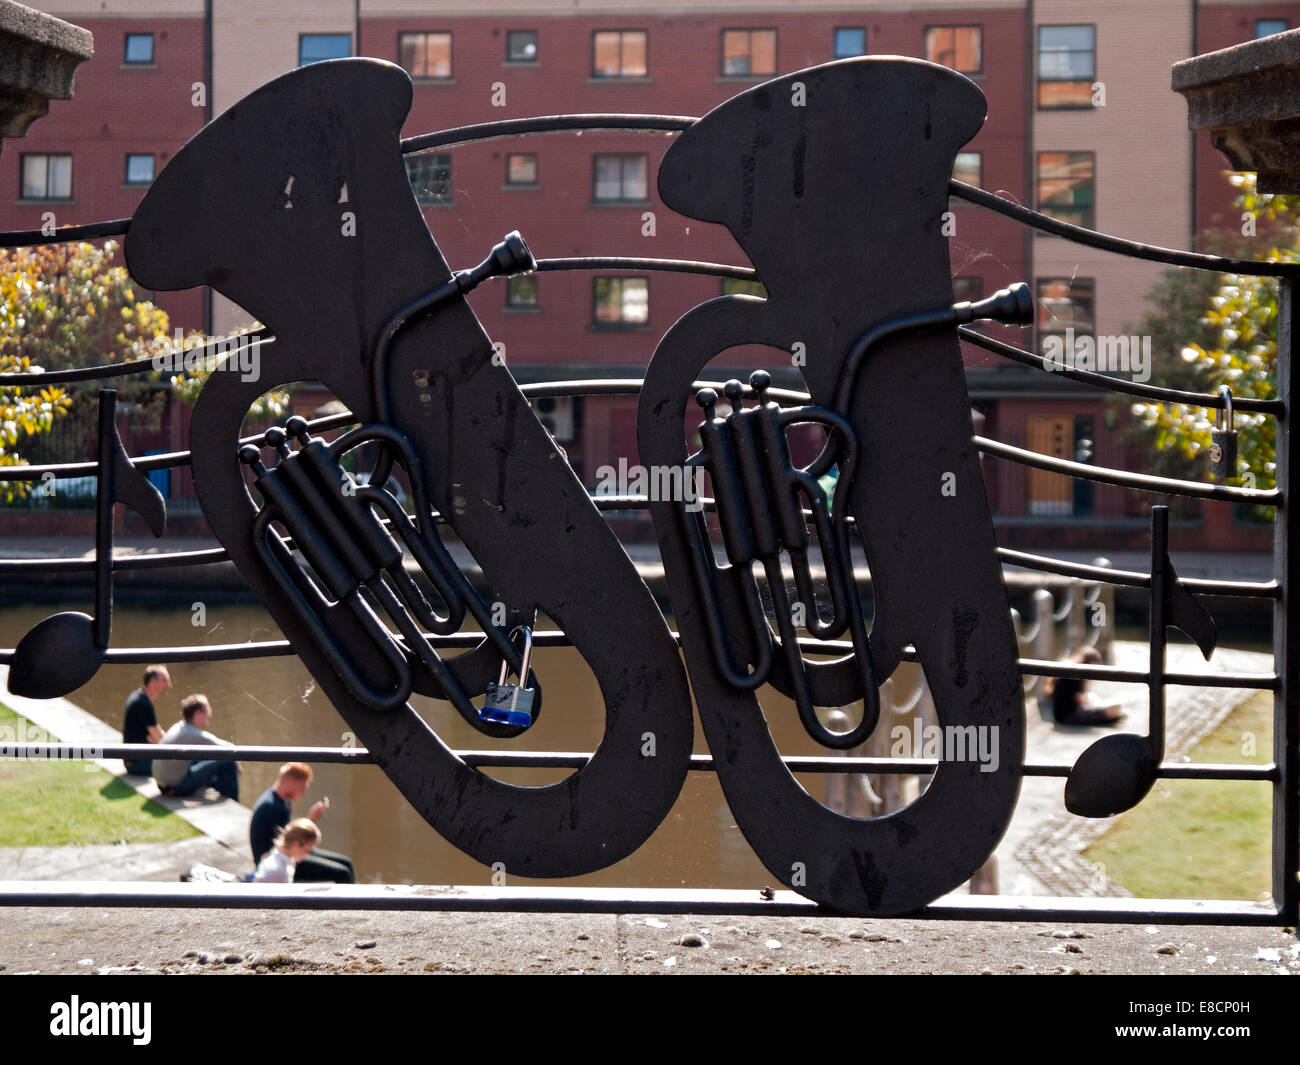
(38, 56)
(1248, 98)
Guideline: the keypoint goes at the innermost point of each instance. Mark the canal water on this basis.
(276, 701)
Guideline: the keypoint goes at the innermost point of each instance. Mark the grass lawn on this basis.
(1204, 839)
(48, 803)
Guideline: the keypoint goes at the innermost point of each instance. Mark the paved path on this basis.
(1041, 853)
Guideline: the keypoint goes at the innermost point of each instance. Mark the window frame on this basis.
(510, 58)
(1260, 21)
(153, 169)
(751, 73)
(978, 27)
(737, 286)
(621, 322)
(979, 165)
(623, 157)
(512, 283)
(126, 50)
(1042, 207)
(1039, 80)
(622, 75)
(835, 44)
(426, 34)
(510, 182)
(427, 199)
(47, 156)
(1041, 332)
(304, 37)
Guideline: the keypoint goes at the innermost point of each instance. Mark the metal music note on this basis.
(1116, 772)
(64, 651)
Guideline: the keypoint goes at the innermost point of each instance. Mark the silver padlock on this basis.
(511, 704)
(1223, 441)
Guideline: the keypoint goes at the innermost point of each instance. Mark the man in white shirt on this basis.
(188, 778)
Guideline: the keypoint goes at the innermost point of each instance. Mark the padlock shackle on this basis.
(1225, 394)
(523, 662)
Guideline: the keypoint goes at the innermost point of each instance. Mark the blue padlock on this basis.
(511, 704)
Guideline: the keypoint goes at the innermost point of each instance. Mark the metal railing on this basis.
(1282, 771)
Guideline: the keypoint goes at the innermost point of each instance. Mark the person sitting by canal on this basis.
(140, 724)
(293, 845)
(273, 810)
(181, 778)
(1072, 705)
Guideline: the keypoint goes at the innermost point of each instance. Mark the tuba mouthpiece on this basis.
(1011, 306)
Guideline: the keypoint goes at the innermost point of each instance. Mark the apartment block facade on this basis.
(1082, 125)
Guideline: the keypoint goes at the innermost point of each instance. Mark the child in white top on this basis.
(296, 840)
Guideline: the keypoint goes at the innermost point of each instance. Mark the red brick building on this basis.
(1048, 143)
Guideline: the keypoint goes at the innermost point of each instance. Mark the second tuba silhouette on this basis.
(834, 181)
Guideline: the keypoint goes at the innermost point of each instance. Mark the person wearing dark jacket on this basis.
(274, 809)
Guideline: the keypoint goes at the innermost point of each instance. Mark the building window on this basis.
(425, 55)
(521, 46)
(1266, 27)
(47, 177)
(621, 301)
(139, 48)
(959, 47)
(313, 47)
(430, 177)
(521, 169)
(521, 292)
(1065, 186)
(1065, 311)
(621, 178)
(619, 54)
(1066, 66)
(748, 53)
(139, 169)
(734, 286)
(969, 167)
(850, 41)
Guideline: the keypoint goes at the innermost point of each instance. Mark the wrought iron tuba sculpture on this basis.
(834, 181)
(295, 203)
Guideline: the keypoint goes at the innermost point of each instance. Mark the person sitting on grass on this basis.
(1071, 705)
(182, 779)
(294, 842)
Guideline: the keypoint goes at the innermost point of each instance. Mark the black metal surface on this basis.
(759, 492)
(64, 651)
(488, 464)
(790, 183)
(1116, 772)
